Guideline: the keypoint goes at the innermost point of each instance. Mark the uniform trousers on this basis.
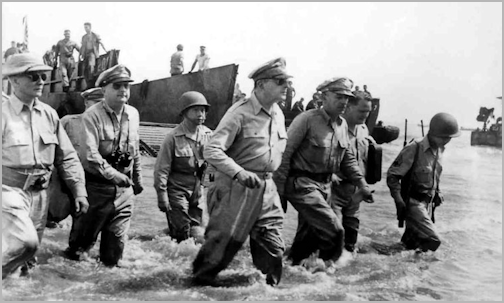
(110, 209)
(347, 211)
(237, 212)
(420, 231)
(319, 228)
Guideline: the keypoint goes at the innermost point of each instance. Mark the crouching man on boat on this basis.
(413, 180)
(246, 149)
(110, 155)
(33, 142)
(180, 168)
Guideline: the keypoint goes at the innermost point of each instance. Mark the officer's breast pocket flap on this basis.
(49, 138)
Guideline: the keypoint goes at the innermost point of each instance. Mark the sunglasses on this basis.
(35, 76)
(281, 82)
(117, 86)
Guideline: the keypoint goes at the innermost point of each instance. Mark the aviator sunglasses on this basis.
(117, 86)
(36, 76)
(281, 82)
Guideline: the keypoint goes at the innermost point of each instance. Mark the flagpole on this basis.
(25, 34)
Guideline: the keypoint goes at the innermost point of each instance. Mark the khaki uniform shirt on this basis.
(90, 44)
(317, 145)
(65, 48)
(426, 172)
(32, 137)
(177, 156)
(248, 137)
(73, 127)
(359, 145)
(102, 134)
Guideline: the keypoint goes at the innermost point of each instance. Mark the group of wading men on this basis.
(250, 164)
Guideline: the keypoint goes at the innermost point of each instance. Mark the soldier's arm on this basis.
(194, 64)
(215, 150)
(162, 168)
(67, 162)
(350, 168)
(295, 136)
(399, 168)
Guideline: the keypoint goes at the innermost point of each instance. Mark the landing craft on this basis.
(491, 136)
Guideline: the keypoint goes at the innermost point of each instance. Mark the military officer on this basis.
(33, 142)
(246, 149)
(346, 208)
(109, 151)
(317, 148)
(180, 167)
(413, 180)
(64, 50)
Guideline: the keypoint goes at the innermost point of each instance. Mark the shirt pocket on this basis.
(249, 132)
(49, 138)
(424, 176)
(282, 139)
(319, 151)
(182, 148)
(16, 140)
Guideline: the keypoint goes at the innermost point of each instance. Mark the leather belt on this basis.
(265, 175)
(420, 196)
(26, 178)
(319, 177)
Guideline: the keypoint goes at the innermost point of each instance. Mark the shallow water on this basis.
(467, 266)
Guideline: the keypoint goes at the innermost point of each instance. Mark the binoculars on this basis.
(119, 159)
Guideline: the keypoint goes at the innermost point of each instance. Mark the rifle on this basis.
(405, 131)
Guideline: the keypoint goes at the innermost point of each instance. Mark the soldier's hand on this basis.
(137, 189)
(121, 180)
(363, 194)
(248, 179)
(164, 206)
(401, 209)
(438, 199)
(81, 205)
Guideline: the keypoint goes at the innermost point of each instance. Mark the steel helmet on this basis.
(444, 125)
(192, 98)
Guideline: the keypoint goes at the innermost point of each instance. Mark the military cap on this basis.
(117, 73)
(23, 63)
(66, 31)
(93, 94)
(339, 85)
(274, 69)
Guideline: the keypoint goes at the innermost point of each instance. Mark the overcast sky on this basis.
(418, 58)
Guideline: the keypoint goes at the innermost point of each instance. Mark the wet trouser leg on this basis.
(114, 232)
(19, 235)
(420, 231)
(235, 212)
(185, 210)
(86, 227)
(318, 220)
(89, 66)
(347, 211)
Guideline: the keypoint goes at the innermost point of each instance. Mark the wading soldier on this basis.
(180, 167)
(245, 149)
(413, 180)
(59, 195)
(64, 50)
(346, 208)
(109, 151)
(33, 142)
(317, 148)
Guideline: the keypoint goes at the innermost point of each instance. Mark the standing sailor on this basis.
(33, 140)
(246, 148)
